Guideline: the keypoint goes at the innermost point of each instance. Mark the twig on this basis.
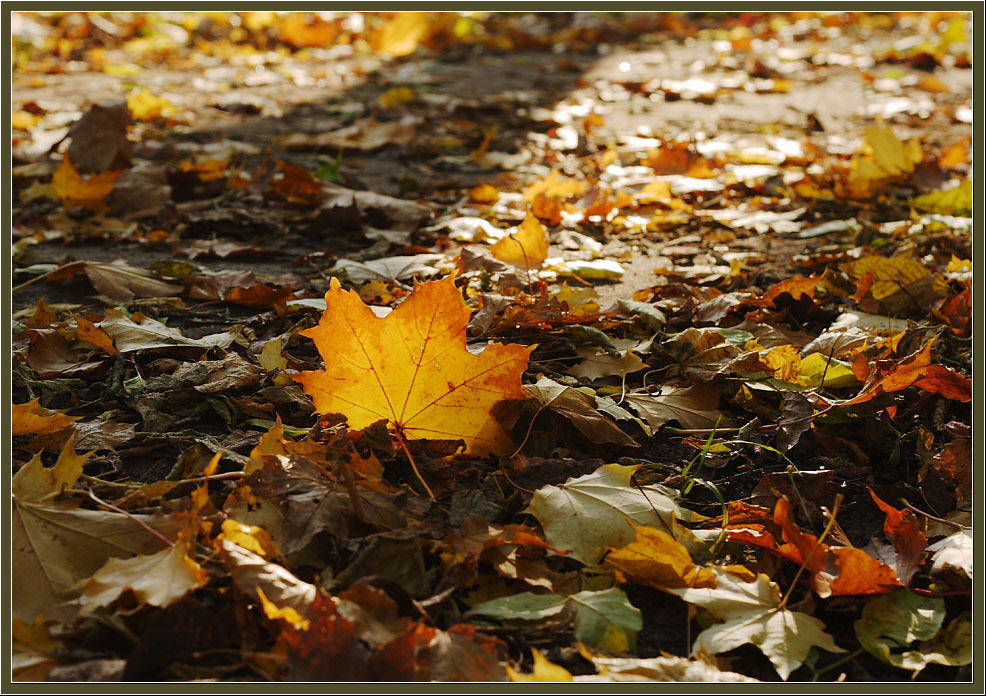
(949, 523)
(150, 530)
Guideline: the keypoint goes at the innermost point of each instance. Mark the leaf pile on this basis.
(457, 347)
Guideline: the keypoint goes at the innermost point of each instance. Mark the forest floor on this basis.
(752, 309)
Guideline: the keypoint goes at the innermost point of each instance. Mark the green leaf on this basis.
(897, 620)
(604, 619)
(589, 514)
(953, 201)
(651, 316)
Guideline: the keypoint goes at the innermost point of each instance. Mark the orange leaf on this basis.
(86, 331)
(909, 541)
(259, 295)
(32, 418)
(484, 193)
(795, 287)
(412, 368)
(527, 248)
(917, 370)
(859, 574)
(294, 185)
(73, 189)
(554, 186)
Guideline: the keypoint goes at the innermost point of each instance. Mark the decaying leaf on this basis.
(694, 407)
(412, 368)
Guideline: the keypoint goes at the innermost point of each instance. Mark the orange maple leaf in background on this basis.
(412, 368)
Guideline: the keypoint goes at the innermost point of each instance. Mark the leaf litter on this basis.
(584, 347)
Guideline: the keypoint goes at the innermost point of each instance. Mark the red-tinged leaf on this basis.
(858, 574)
(916, 370)
(954, 466)
(795, 287)
(908, 539)
(259, 295)
(329, 650)
(945, 381)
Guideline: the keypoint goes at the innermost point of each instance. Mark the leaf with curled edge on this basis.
(412, 368)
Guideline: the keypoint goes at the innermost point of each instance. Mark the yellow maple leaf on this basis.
(527, 248)
(33, 418)
(74, 189)
(656, 558)
(412, 368)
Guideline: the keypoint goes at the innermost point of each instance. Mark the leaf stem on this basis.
(410, 459)
(948, 523)
(150, 530)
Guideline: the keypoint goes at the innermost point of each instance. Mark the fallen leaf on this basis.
(527, 248)
(593, 513)
(157, 579)
(144, 105)
(890, 625)
(412, 368)
(75, 189)
(34, 419)
(908, 539)
(99, 139)
(86, 331)
(544, 671)
(578, 408)
(667, 668)
(955, 550)
(917, 370)
(252, 572)
(658, 559)
(365, 134)
(695, 407)
(751, 612)
(139, 332)
(950, 201)
(604, 619)
(119, 282)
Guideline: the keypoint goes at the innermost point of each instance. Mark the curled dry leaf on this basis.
(157, 579)
(119, 282)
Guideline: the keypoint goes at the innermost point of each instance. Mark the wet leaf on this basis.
(412, 368)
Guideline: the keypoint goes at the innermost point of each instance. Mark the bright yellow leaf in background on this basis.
(527, 248)
(74, 189)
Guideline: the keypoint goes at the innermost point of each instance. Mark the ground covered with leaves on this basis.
(592, 347)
